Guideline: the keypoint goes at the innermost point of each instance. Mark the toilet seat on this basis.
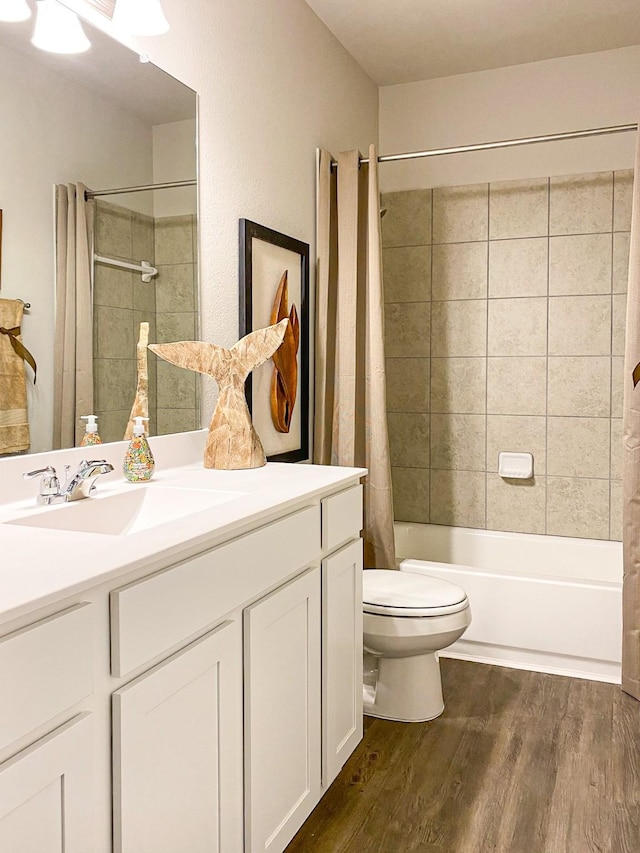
(389, 593)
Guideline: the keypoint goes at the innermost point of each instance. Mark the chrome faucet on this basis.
(78, 487)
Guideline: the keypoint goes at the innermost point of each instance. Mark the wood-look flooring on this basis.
(520, 762)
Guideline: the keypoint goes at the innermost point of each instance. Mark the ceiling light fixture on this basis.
(58, 29)
(140, 17)
(13, 11)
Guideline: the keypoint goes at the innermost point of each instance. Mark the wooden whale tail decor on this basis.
(232, 442)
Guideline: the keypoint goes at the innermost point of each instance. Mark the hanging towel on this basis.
(14, 422)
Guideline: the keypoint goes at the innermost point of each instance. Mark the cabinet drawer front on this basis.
(155, 614)
(341, 518)
(45, 668)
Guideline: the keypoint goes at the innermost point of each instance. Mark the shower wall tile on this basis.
(458, 385)
(581, 204)
(518, 267)
(459, 328)
(519, 209)
(578, 507)
(410, 493)
(619, 323)
(579, 387)
(516, 505)
(580, 264)
(578, 447)
(526, 289)
(617, 386)
(621, 241)
(580, 325)
(407, 274)
(517, 327)
(458, 498)
(112, 287)
(113, 231)
(115, 383)
(142, 237)
(176, 386)
(615, 523)
(616, 449)
(409, 439)
(144, 294)
(460, 271)
(622, 199)
(114, 338)
(174, 240)
(459, 442)
(112, 424)
(407, 384)
(517, 434)
(461, 214)
(407, 329)
(176, 420)
(175, 327)
(407, 221)
(516, 386)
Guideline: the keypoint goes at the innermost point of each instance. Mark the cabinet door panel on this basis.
(341, 657)
(47, 793)
(282, 712)
(178, 751)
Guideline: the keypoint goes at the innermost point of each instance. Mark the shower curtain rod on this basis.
(120, 190)
(505, 143)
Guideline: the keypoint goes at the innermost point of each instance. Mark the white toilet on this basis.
(408, 618)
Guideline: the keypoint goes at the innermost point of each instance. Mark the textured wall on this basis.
(505, 331)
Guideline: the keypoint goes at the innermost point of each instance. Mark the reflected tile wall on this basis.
(122, 301)
(505, 310)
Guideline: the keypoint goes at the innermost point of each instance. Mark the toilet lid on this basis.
(392, 593)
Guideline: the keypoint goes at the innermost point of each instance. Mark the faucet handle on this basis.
(49, 485)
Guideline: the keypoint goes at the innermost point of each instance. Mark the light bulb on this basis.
(58, 29)
(140, 17)
(14, 10)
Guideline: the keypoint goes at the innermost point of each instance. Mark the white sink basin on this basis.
(128, 512)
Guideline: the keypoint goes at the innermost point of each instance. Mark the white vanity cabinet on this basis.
(204, 705)
(177, 763)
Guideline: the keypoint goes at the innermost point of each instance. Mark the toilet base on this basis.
(406, 689)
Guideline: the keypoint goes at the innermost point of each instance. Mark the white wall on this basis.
(571, 93)
(52, 132)
(174, 159)
(273, 84)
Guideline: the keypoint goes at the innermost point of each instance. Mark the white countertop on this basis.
(39, 566)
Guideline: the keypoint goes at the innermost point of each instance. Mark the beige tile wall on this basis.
(505, 331)
(122, 301)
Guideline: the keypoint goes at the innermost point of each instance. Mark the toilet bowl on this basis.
(407, 619)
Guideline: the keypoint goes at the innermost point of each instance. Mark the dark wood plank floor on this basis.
(520, 762)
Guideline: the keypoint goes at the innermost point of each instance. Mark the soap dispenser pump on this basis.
(138, 463)
(90, 436)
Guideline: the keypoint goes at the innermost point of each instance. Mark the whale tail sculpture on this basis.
(232, 442)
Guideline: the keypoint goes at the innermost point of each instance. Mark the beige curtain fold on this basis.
(350, 426)
(631, 462)
(73, 343)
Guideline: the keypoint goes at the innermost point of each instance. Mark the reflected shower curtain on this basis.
(350, 425)
(73, 346)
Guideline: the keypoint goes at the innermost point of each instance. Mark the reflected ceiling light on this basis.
(14, 10)
(58, 29)
(140, 17)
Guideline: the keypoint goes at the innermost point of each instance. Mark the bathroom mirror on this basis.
(108, 120)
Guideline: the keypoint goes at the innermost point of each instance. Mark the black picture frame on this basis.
(259, 247)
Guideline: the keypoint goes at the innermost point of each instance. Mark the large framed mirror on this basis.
(112, 122)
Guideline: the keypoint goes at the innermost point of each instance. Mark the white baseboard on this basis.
(535, 661)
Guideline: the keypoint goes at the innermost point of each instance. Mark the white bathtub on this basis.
(545, 603)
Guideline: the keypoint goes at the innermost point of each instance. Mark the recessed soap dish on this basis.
(515, 466)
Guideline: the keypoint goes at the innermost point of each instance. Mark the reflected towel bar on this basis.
(143, 267)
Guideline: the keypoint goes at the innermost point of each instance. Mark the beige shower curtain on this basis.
(73, 347)
(350, 399)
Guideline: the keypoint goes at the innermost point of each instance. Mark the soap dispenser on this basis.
(90, 436)
(138, 461)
